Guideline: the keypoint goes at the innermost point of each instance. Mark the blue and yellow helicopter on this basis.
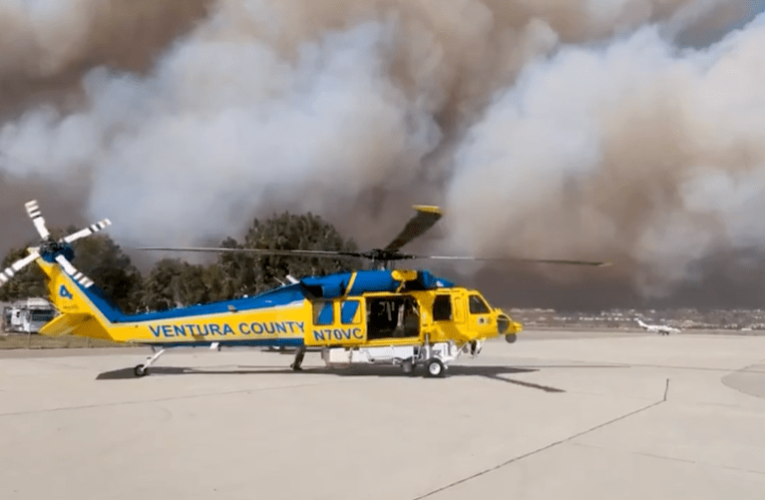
(403, 317)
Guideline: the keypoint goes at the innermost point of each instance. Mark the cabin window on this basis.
(42, 315)
(349, 314)
(323, 313)
(442, 308)
(392, 317)
(477, 305)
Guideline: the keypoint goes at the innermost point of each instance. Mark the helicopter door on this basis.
(448, 315)
(480, 315)
(458, 302)
(393, 317)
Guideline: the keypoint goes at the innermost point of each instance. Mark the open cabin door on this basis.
(393, 318)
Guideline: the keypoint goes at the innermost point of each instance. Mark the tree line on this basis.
(172, 282)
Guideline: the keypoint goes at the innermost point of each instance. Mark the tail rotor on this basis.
(52, 250)
(93, 228)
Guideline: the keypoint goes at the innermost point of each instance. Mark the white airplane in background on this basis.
(661, 329)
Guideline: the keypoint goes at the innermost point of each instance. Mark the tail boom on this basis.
(78, 315)
(84, 312)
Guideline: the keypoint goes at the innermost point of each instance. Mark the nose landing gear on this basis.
(435, 367)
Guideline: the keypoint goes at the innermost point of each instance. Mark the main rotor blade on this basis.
(17, 266)
(513, 259)
(259, 251)
(93, 228)
(34, 212)
(417, 225)
(72, 271)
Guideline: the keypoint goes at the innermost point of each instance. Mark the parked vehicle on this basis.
(27, 315)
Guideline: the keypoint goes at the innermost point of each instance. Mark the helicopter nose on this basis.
(507, 327)
(505, 324)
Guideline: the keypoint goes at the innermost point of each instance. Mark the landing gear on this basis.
(435, 367)
(433, 358)
(143, 370)
(298, 360)
(408, 366)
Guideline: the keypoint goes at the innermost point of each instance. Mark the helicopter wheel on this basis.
(435, 367)
(140, 371)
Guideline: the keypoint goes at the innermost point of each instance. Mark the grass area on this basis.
(34, 341)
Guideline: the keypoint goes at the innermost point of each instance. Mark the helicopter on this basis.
(404, 317)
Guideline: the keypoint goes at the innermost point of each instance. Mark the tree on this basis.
(173, 283)
(239, 274)
(234, 274)
(29, 282)
(103, 261)
(296, 232)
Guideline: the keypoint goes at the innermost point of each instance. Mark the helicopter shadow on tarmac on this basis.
(492, 372)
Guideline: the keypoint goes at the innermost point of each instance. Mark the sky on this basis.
(628, 130)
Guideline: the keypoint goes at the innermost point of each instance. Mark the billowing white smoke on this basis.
(555, 129)
(634, 149)
(191, 150)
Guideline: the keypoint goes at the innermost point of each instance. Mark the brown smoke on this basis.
(47, 51)
(61, 209)
(568, 129)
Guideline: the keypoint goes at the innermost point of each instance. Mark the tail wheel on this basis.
(140, 371)
(435, 367)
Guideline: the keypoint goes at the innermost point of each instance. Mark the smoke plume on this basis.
(627, 130)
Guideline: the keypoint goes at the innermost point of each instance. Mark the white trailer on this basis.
(28, 315)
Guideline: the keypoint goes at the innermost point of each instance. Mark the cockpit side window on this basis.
(477, 305)
(442, 308)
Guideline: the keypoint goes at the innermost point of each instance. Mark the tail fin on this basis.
(78, 314)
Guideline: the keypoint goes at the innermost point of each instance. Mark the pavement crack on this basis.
(550, 446)
(674, 459)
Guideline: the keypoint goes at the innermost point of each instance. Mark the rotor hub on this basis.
(50, 249)
(382, 257)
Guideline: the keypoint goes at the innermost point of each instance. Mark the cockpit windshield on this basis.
(478, 305)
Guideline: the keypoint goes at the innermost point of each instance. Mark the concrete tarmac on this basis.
(552, 416)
